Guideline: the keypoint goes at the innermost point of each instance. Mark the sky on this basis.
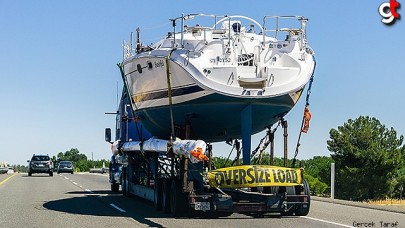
(58, 73)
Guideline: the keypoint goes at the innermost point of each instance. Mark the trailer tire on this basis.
(301, 210)
(166, 195)
(158, 194)
(177, 199)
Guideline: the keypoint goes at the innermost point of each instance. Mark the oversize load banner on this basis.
(254, 176)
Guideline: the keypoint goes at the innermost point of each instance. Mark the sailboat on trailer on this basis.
(232, 76)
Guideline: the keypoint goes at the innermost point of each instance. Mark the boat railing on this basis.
(128, 50)
(185, 28)
(301, 31)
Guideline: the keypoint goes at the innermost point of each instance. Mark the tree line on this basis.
(80, 161)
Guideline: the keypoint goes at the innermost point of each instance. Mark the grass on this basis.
(387, 202)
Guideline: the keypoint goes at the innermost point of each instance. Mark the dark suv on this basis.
(40, 164)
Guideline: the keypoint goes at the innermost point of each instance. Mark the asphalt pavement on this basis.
(84, 200)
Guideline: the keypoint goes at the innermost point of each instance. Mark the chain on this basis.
(311, 80)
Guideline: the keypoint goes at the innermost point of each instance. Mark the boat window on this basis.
(139, 68)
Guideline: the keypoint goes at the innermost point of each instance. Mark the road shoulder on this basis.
(390, 208)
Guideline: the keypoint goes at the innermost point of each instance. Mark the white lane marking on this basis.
(66, 178)
(320, 220)
(74, 183)
(119, 209)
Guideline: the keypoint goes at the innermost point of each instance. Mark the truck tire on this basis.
(178, 200)
(166, 195)
(290, 209)
(51, 174)
(29, 174)
(124, 181)
(115, 187)
(303, 210)
(158, 194)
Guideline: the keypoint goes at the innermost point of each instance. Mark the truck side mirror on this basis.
(108, 135)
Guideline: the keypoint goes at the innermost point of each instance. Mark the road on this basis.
(84, 200)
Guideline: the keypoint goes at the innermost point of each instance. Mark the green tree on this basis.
(20, 168)
(319, 167)
(79, 160)
(317, 187)
(220, 162)
(368, 156)
(400, 181)
(83, 165)
(71, 155)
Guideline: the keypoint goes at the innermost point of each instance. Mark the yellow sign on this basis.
(254, 176)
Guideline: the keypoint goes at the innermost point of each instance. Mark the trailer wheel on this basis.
(158, 194)
(166, 195)
(303, 210)
(177, 199)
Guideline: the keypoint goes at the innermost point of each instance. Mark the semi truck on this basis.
(180, 178)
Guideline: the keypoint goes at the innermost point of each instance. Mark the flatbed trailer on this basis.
(179, 184)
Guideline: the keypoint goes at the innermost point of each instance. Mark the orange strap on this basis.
(307, 118)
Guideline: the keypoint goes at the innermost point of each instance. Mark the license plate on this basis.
(40, 165)
(202, 206)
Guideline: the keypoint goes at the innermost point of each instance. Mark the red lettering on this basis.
(393, 8)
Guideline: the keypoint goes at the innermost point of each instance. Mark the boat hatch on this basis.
(252, 83)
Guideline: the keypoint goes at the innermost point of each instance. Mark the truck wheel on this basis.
(51, 174)
(177, 199)
(29, 174)
(303, 209)
(290, 209)
(166, 195)
(158, 193)
(124, 181)
(115, 187)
